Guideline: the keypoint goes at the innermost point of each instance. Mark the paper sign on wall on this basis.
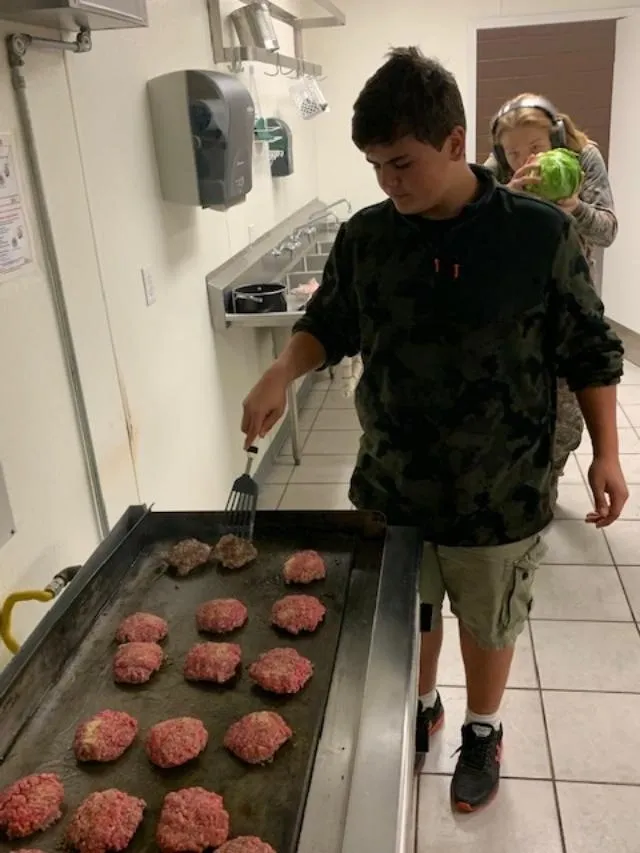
(15, 242)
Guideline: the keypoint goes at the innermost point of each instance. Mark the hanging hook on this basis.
(291, 71)
(278, 70)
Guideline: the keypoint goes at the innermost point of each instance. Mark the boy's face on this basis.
(415, 175)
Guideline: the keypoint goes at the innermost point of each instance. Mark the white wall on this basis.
(184, 385)
(621, 277)
(353, 53)
(39, 445)
(161, 368)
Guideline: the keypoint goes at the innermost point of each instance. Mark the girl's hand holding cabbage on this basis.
(554, 175)
(525, 177)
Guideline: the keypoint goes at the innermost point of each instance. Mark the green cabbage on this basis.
(560, 174)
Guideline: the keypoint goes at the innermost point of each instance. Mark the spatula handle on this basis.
(251, 453)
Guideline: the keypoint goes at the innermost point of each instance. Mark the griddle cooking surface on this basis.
(264, 801)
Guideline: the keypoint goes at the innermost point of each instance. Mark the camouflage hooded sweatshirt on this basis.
(463, 326)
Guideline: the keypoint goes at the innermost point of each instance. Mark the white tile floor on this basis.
(571, 773)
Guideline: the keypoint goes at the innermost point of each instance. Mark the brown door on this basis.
(571, 64)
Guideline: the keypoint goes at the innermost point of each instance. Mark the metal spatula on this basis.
(240, 511)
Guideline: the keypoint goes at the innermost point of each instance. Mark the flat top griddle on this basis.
(267, 801)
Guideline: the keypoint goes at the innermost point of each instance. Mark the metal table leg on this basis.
(292, 403)
(292, 399)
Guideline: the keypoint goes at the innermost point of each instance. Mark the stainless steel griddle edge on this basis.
(362, 792)
(362, 783)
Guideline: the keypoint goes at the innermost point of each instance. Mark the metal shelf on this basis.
(71, 15)
(236, 55)
(336, 17)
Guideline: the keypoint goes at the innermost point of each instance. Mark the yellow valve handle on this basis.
(50, 591)
(7, 611)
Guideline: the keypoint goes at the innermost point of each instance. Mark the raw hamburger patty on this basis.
(296, 613)
(257, 737)
(192, 820)
(27, 850)
(246, 844)
(217, 662)
(142, 628)
(189, 554)
(135, 663)
(281, 671)
(221, 615)
(105, 736)
(304, 567)
(31, 804)
(105, 820)
(176, 741)
(233, 552)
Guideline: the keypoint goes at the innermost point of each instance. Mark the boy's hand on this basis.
(264, 406)
(609, 491)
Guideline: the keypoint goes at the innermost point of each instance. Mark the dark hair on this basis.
(410, 95)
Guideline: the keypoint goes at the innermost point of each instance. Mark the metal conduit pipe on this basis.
(17, 46)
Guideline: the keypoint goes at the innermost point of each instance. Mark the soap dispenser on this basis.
(280, 148)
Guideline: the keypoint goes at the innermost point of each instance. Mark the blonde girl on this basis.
(524, 127)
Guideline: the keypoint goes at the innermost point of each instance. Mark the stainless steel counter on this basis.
(272, 320)
(265, 263)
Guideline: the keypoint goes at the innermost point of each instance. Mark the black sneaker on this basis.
(477, 775)
(428, 721)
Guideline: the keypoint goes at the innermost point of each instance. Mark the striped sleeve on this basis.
(595, 216)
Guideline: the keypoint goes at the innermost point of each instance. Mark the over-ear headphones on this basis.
(557, 135)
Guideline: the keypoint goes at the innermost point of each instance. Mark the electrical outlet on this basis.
(149, 286)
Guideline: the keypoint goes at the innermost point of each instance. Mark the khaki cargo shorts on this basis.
(489, 589)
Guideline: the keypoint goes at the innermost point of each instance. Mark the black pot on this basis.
(258, 298)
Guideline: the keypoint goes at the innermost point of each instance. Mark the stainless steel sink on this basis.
(311, 264)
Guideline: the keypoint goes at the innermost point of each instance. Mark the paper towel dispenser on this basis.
(203, 130)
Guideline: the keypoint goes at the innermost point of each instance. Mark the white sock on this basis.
(429, 699)
(482, 723)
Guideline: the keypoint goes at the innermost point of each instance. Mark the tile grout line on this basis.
(582, 474)
(288, 480)
(603, 782)
(588, 690)
(288, 483)
(575, 619)
(624, 589)
(325, 392)
(556, 796)
(516, 778)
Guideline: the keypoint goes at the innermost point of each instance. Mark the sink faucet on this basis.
(329, 209)
(308, 231)
(295, 241)
(325, 216)
(290, 246)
